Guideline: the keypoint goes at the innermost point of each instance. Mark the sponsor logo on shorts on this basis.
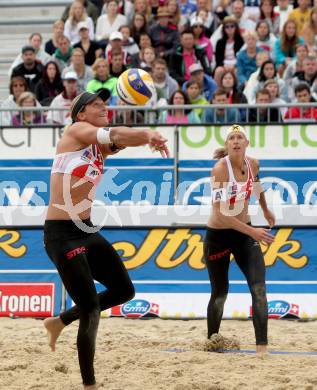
(281, 309)
(75, 252)
(219, 255)
(136, 308)
(27, 299)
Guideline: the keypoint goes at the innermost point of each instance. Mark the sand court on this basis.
(156, 354)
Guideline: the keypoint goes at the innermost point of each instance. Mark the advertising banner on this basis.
(266, 141)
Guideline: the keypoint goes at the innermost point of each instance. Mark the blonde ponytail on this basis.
(220, 153)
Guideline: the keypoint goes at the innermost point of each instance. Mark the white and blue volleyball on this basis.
(135, 87)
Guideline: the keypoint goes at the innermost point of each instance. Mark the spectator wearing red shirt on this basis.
(303, 95)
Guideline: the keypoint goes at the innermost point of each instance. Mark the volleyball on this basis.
(135, 87)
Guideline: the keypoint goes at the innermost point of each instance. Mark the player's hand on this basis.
(270, 217)
(158, 143)
(261, 234)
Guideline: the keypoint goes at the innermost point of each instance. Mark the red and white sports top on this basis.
(85, 163)
(238, 191)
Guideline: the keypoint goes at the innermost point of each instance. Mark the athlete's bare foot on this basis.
(54, 326)
(261, 349)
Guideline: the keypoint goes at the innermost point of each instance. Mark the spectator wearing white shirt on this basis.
(109, 22)
(284, 9)
(77, 14)
(64, 100)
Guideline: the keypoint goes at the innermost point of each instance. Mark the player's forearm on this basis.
(262, 202)
(125, 136)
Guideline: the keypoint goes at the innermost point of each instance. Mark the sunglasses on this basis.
(198, 26)
(230, 26)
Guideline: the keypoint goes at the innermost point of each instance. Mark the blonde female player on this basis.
(78, 251)
(234, 177)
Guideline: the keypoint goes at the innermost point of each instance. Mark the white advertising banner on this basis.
(266, 142)
(186, 305)
(41, 143)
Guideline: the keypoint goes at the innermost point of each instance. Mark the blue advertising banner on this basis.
(170, 261)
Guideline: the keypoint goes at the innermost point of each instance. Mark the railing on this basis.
(150, 115)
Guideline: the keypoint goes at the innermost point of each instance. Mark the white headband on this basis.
(236, 129)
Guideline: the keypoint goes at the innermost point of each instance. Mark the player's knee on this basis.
(220, 298)
(258, 291)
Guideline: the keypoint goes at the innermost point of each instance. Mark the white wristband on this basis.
(103, 135)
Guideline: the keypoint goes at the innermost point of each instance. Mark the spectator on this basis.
(116, 44)
(283, 8)
(308, 75)
(142, 7)
(90, 48)
(227, 47)
(116, 64)
(63, 53)
(201, 40)
(211, 22)
(18, 85)
(246, 63)
(229, 83)
(303, 95)
(241, 18)
(267, 13)
(102, 79)
(309, 31)
(125, 7)
(77, 14)
(64, 101)
(195, 96)
(27, 118)
(129, 46)
(58, 31)
(148, 59)
(261, 57)
(177, 20)
(165, 85)
(187, 7)
(300, 15)
(50, 84)
(41, 56)
(91, 10)
(179, 115)
(84, 72)
(164, 39)
(127, 117)
(221, 115)
(206, 82)
(268, 72)
(296, 65)
(185, 55)
(266, 39)
(284, 50)
(30, 69)
(138, 27)
(263, 114)
(273, 87)
(109, 22)
(137, 60)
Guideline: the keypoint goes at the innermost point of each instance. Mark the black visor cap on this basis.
(86, 98)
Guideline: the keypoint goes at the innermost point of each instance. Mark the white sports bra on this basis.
(238, 191)
(85, 163)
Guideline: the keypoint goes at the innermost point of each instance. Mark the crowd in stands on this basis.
(205, 52)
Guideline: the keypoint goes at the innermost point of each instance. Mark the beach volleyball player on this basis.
(80, 254)
(229, 231)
